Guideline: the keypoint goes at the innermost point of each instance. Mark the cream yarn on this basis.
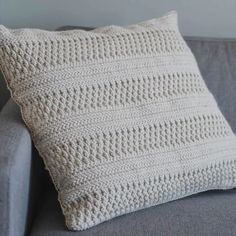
(120, 115)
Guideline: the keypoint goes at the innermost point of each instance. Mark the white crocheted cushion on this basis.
(120, 115)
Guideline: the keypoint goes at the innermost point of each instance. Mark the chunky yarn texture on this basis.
(120, 115)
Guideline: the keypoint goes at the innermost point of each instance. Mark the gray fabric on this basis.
(71, 27)
(15, 162)
(211, 213)
(217, 62)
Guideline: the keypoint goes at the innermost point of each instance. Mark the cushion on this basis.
(120, 115)
(209, 213)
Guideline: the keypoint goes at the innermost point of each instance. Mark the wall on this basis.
(211, 18)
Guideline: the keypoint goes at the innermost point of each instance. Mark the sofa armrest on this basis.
(15, 171)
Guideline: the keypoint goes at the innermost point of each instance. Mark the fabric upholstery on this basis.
(120, 115)
(212, 213)
(217, 59)
(15, 172)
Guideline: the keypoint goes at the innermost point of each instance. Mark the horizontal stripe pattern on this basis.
(120, 115)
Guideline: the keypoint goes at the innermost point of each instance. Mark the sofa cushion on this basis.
(209, 213)
(121, 116)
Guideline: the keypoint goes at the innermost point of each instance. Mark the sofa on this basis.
(28, 200)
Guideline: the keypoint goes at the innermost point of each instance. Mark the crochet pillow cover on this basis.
(120, 115)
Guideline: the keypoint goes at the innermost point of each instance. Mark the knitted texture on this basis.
(120, 115)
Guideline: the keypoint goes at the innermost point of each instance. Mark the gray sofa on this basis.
(28, 201)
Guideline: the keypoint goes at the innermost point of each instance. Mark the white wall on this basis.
(214, 18)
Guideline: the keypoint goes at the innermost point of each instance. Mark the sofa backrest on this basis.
(217, 62)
